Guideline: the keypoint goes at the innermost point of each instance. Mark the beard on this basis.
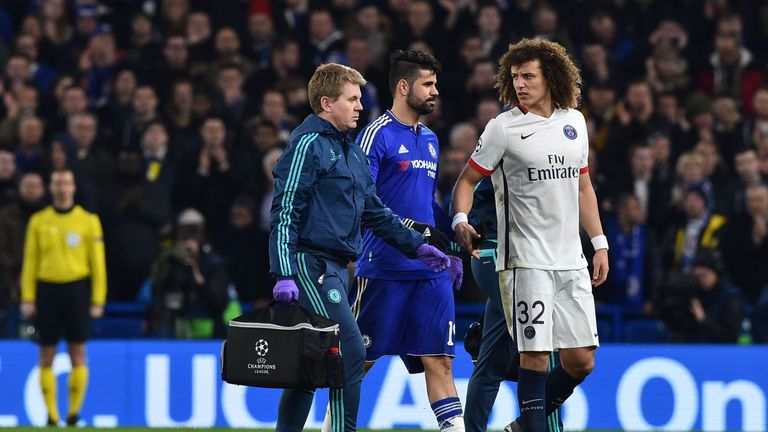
(421, 107)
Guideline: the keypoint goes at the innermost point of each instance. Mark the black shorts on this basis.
(63, 310)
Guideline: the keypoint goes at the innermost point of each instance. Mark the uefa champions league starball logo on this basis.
(262, 347)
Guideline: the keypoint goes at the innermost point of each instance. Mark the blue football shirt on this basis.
(404, 166)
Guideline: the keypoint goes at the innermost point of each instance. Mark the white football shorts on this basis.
(547, 310)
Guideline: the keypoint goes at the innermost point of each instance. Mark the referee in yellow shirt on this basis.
(63, 285)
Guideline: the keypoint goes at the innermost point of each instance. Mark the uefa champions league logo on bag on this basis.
(262, 347)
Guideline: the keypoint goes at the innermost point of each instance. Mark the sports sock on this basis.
(559, 387)
(446, 408)
(78, 384)
(530, 394)
(48, 386)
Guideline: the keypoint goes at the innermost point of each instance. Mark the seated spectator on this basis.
(247, 247)
(159, 166)
(136, 215)
(634, 261)
(13, 225)
(95, 162)
(8, 177)
(29, 152)
(42, 75)
(464, 138)
(325, 40)
(213, 185)
(713, 165)
(732, 70)
(704, 308)
(756, 126)
(233, 104)
(747, 166)
(144, 110)
(689, 171)
(698, 230)
(745, 244)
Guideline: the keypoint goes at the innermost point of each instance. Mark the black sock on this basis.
(559, 387)
(531, 387)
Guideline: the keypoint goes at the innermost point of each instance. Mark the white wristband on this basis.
(599, 242)
(459, 218)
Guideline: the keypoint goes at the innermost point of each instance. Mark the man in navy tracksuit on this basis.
(498, 359)
(323, 197)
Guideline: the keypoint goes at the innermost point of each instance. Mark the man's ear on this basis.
(402, 87)
(325, 103)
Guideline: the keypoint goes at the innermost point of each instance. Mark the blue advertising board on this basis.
(176, 383)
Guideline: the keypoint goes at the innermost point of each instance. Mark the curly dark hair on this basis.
(558, 68)
(406, 64)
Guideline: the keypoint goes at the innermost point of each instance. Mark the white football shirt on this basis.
(535, 164)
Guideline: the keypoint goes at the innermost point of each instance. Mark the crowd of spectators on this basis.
(170, 108)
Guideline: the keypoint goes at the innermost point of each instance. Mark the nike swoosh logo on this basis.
(526, 136)
(529, 401)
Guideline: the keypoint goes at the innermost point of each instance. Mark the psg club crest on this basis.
(570, 132)
(529, 332)
(432, 150)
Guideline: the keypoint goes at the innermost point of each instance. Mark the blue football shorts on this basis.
(410, 319)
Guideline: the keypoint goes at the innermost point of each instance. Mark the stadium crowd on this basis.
(172, 113)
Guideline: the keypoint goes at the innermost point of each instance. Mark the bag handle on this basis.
(294, 304)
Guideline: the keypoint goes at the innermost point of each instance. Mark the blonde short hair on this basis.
(690, 157)
(328, 80)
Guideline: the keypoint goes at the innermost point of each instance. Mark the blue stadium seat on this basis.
(118, 328)
(121, 320)
(644, 330)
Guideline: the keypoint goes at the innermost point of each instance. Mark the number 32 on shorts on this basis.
(524, 312)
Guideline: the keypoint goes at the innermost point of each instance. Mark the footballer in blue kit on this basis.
(403, 308)
(403, 163)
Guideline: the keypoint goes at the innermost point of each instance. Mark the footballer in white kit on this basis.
(536, 154)
(535, 164)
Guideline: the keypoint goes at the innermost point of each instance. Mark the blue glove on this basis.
(432, 257)
(285, 291)
(456, 271)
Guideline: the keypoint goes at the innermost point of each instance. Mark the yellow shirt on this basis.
(61, 248)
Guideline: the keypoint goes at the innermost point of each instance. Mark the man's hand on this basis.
(465, 236)
(285, 291)
(434, 236)
(600, 264)
(97, 311)
(27, 310)
(697, 310)
(456, 271)
(433, 258)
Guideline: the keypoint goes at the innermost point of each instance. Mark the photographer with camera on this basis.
(703, 307)
(189, 286)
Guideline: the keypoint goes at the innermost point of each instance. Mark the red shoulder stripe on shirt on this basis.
(584, 170)
(478, 168)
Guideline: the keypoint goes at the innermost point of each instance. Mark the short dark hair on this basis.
(406, 64)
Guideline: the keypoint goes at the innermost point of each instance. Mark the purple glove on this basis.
(285, 291)
(432, 257)
(456, 271)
